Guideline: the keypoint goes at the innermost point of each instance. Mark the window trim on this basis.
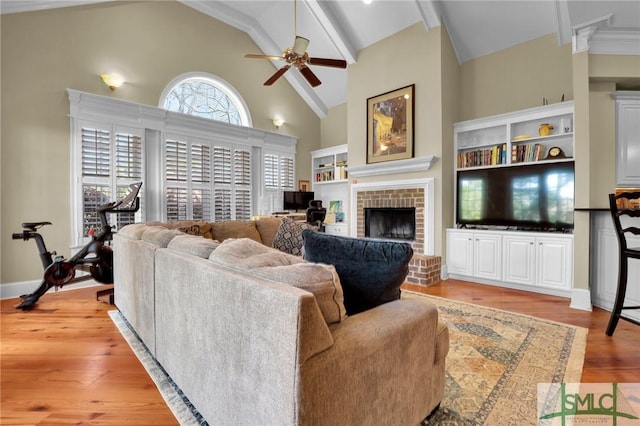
(156, 123)
(218, 83)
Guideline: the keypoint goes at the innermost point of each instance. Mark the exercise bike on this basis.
(96, 257)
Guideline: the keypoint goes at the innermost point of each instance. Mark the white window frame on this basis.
(159, 122)
(218, 83)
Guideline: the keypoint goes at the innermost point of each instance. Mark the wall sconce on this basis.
(112, 80)
(278, 122)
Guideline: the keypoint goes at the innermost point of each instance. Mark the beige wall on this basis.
(516, 78)
(149, 43)
(391, 64)
(333, 127)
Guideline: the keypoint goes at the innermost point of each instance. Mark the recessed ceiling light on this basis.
(367, 1)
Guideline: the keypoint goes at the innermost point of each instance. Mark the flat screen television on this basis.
(297, 200)
(528, 197)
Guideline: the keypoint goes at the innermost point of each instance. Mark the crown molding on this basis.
(600, 38)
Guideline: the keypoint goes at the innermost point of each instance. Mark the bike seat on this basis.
(32, 226)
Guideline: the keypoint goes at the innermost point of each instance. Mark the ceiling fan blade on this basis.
(336, 63)
(277, 75)
(310, 76)
(271, 57)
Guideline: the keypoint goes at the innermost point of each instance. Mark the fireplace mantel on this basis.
(420, 164)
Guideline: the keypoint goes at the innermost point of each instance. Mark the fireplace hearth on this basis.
(393, 223)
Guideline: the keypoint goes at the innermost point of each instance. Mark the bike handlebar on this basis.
(20, 236)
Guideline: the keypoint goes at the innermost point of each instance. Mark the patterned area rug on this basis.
(497, 358)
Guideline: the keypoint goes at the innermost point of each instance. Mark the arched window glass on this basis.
(205, 95)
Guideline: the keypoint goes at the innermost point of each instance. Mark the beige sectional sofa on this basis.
(253, 335)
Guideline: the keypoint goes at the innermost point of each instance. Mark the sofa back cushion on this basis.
(196, 246)
(371, 271)
(258, 260)
(160, 236)
(235, 229)
(268, 227)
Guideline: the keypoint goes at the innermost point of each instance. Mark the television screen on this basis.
(536, 196)
(297, 200)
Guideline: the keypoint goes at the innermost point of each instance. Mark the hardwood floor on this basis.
(66, 363)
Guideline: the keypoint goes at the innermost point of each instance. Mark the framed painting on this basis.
(390, 125)
(303, 185)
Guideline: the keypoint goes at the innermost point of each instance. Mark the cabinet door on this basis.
(519, 259)
(488, 256)
(460, 253)
(628, 142)
(555, 256)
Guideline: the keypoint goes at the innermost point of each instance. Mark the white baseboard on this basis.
(12, 290)
(581, 299)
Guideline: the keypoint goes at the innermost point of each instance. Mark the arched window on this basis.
(205, 95)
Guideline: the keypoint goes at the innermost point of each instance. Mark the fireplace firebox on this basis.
(394, 223)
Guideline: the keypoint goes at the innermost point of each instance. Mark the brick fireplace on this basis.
(424, 268)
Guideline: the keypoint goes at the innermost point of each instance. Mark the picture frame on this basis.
(390, 125)
(304, 185)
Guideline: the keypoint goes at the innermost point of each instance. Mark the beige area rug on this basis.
(497, 358)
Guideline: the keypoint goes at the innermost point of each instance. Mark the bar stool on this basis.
(624, 204)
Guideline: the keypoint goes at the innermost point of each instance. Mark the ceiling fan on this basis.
(298, 57)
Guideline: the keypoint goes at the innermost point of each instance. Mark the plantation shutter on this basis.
(110, 161)
(176, 177)
(271, 171)
(201, 181)
(128, 164)
(286, 173)
(242, 183)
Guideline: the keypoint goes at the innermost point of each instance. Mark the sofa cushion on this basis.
(371, 271)
(133, 231)
(289, 236)
(159, 236)
(196, 246)
(235, 229)
(268, 228)
(192, 227)
(258, 260)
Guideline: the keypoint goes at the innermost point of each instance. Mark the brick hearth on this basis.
(423, 269)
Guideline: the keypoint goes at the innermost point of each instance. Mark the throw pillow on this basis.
(191, 230)
(371, 271)
(235, 229)
(289, 236)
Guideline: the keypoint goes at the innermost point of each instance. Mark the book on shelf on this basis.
(526, 153)
(491, 156)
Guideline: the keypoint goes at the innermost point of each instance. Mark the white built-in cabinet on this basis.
(329, 183)
(534, 261)
(627, 138)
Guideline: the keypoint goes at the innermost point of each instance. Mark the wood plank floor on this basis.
(66, 363)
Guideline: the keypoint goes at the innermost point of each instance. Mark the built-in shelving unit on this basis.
(503, 255)
(329, 165)
(329, 183)
(514, 138)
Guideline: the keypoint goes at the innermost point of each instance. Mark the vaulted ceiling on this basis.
(341, 28)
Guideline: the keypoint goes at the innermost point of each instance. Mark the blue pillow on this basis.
(371, 271)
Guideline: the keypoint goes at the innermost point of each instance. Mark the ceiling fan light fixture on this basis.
(300, 45)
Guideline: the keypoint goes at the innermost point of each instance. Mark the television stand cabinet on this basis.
(540, 262)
